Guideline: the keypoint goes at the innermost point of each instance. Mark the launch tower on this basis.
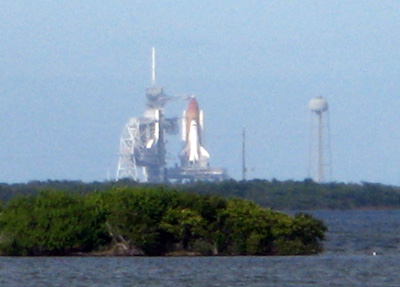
(142, 144)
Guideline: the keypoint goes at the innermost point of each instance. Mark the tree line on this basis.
(280, 195)
(304, 195)
(150, 220)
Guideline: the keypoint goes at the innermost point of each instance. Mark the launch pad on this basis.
(179, 174)
(143, 151)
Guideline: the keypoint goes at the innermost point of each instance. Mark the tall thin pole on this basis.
(320, 150)
(310, 149)
(244, 169)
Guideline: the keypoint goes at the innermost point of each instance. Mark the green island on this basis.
(36, 219)
(200, 218)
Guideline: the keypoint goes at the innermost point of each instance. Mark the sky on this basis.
(73, 72)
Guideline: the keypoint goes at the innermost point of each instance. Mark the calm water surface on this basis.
(347, 261)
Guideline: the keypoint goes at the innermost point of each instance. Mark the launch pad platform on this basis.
(189, 174)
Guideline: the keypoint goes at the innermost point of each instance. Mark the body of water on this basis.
(353, 239)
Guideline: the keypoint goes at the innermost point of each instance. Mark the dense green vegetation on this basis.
(150, 221)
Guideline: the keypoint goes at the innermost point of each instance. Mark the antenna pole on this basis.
(153, 66)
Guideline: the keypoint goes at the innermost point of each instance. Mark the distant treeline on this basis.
(8, 191)
(305, 195)
(281, 195)
(143, 220)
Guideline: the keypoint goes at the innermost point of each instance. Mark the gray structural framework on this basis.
(142, 144)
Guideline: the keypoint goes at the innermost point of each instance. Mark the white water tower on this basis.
(319, 165)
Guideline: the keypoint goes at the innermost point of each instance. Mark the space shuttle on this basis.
(193, 153)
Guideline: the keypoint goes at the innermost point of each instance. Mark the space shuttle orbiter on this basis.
(193, 153)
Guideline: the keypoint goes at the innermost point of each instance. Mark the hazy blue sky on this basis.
(73, 72)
